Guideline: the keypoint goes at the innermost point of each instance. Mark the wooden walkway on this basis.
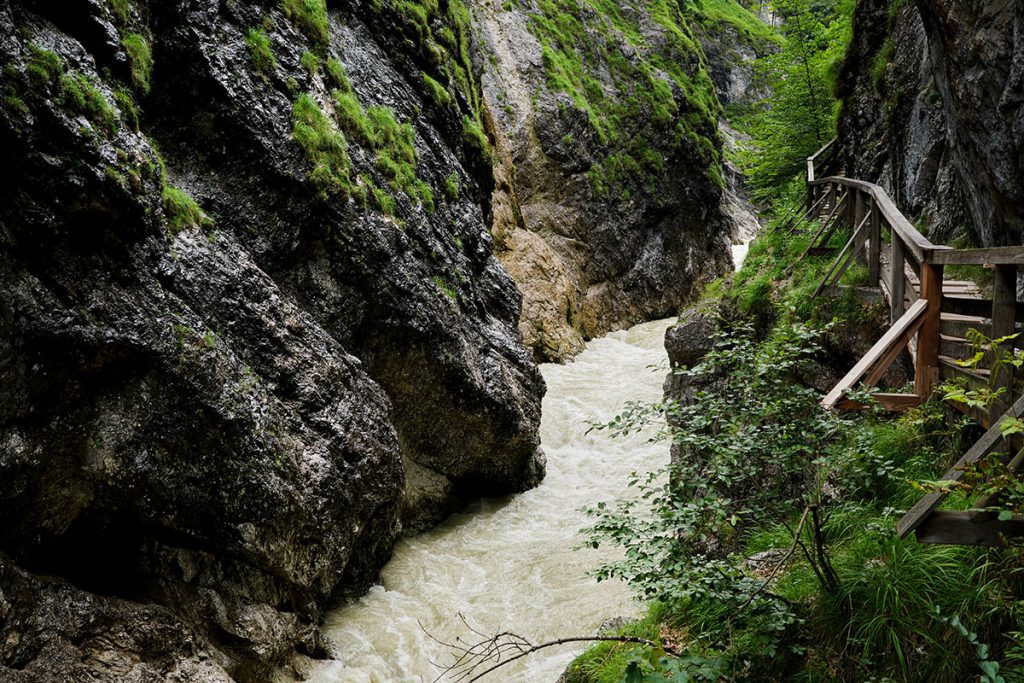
(930, 316)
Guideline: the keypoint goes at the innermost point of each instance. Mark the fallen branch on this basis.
(506, 647)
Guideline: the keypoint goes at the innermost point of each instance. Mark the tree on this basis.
(799, 115)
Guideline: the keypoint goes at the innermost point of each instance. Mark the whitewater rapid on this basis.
(512, 564)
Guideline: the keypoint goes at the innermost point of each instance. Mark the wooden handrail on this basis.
(999, 256)
(812, 160)
(919, 245)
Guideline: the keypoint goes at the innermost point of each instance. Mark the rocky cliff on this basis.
(252, 326)
(608, 197)
(933, 109)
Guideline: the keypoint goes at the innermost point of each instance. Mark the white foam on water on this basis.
(510, 564)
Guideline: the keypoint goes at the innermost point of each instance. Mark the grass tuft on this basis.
(261, 51)
(140, 60)
(310, 16)
(182, 211)
(324, 145)
(81, 96)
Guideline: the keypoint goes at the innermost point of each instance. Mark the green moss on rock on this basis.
(325, 146)
(81, 96)
(634, 97)
(140, 60)
(310, 16)
(258, 42)
(182, 211)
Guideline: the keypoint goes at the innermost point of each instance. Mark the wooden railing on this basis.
(931, 315)
(906, 267)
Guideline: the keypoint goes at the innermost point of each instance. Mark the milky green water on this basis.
(509, 564)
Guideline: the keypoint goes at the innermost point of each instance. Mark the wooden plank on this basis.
(916, 243)
(897, 281)
(875, 353)
(814, 240)
(896, 403)
(875, 248)
(807, 214)
(893, 352)
(869, 295)
(980, 257)
(927, 372)
(993, 499)
(979, 416)
(1004, 303)
(975, 307)
(954, 325)
(958, 528)
(858, 244)
(812, 160)
(979, 450)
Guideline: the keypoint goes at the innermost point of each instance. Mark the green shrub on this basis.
(260, 50)
(140, 60)
(182, 211)
(311, 17)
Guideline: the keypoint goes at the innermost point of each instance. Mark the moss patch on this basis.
(140, 60)
(258, 42)
(310, 16)
(325, 146)
(81, 96)
(43, 66)
(651, 97)
(182, 211)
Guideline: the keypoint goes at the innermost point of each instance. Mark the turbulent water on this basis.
(509, 564)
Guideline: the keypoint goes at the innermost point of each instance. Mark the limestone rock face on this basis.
(934, 111)
(606, 210)
(207, 421)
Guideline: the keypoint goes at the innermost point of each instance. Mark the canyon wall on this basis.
(252, 323)
(608, 200)
(933, 110)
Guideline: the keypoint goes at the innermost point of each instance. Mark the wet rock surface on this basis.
(207, 422)
(592, 246)
(933, 110)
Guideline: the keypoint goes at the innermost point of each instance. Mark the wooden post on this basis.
(875, 235)
(898, 279)
(1004, 309)
(928, 338)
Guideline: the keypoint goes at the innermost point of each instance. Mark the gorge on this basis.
(289, 286)
(253, 327)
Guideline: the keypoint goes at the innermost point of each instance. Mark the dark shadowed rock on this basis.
(691, 337)
(933, 109)
(212, 427)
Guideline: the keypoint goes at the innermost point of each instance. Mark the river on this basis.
(510, 564)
